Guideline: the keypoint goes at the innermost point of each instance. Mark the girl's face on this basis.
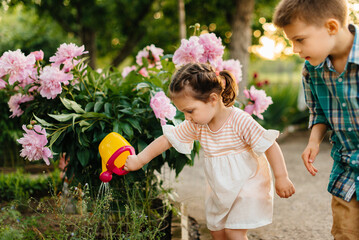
(196, 111)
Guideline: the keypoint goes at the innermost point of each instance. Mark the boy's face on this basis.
(311, 42)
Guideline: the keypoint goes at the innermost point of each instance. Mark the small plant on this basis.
(20, 186)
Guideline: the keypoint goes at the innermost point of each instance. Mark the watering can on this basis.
(114, 150)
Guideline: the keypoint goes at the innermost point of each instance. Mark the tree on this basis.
(116, 29)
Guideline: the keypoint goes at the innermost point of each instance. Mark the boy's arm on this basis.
(284, 187)
(158, 146)
(311, 151)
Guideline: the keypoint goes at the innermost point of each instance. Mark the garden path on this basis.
(306, 215)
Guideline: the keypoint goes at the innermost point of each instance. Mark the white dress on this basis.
(236, 169)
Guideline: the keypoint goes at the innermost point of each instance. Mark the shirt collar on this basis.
(354, 52)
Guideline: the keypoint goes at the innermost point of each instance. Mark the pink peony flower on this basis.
(259, 102)
(2, 84)
(65, 55)
(152, 54)
(14, 104)
(143, 72)
(127, 70)
(39, 55)
(213, 48)
(189, 51)
(235, 67)
(33, 145)
(18, 66)
(50, 80)
(162, 107)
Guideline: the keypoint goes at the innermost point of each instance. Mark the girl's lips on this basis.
(307, 58)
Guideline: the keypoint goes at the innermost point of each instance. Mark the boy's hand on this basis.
(284, 187)
(309, 154)
(133, 163)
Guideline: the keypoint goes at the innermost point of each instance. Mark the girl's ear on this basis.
(332, 26)
(214, 98)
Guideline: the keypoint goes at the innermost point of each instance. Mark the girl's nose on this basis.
(296, 49)
(187, 117)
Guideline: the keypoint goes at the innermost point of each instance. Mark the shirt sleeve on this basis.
(182, 136)
(254, 135)
(316, 114)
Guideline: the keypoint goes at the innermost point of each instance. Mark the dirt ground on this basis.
(306, 215)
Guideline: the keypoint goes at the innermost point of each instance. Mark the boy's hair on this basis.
(313, 12)
(202, 80)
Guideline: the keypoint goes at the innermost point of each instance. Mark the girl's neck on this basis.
(219, 118)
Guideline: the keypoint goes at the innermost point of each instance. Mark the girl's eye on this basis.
(189, 111)
(300, 40)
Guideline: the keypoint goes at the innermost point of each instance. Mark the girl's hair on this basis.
(202, 80)
(311, 12)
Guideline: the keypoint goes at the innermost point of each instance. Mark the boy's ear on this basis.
(332, 25)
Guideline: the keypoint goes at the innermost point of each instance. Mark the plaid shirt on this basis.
(333, 99)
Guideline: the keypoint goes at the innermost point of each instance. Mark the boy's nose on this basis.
(187, 117)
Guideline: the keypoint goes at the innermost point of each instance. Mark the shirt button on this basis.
(344, 104)
(350, 129)
(358, 178)
(340, 80)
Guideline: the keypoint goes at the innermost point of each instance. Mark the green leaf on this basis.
(126, 128)
(83, 156)
(64, 117)
(108, 108)
(55, 136)
(142, 85)
(89, 107)
(116, 126)
(135, 124)
(94, 115)
(98, 106)
(72, 105)
(43, 122)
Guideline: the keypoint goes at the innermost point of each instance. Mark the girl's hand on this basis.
(284, 187)
(309, 154)
(133, 163)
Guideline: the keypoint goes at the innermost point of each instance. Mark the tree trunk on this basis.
(88, 38)
(242, 36)
(182, 19)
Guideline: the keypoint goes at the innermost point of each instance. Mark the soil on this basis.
(305, 215)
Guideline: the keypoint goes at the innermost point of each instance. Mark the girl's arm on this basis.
(284, 187)
(311, 151)
(158, 146)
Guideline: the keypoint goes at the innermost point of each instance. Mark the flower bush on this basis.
(67, 107)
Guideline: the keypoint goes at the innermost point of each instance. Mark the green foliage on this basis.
(101, 103)
(10, 131)
(74, 214)
(284, 111)
(23, 29)
(20, 186)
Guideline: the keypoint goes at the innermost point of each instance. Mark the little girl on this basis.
(233, 142)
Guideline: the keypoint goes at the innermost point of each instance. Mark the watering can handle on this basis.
(111, 162)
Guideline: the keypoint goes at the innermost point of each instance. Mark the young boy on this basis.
(320, 34)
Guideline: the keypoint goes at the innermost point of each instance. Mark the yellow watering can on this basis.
(114, 150)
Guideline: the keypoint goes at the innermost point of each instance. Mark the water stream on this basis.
(104, 190)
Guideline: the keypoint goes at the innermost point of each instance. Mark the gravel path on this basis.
(306, 215)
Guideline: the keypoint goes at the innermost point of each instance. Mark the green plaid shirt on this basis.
(333, 99)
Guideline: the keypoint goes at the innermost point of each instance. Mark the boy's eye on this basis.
(300, 40)
(189, 111)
